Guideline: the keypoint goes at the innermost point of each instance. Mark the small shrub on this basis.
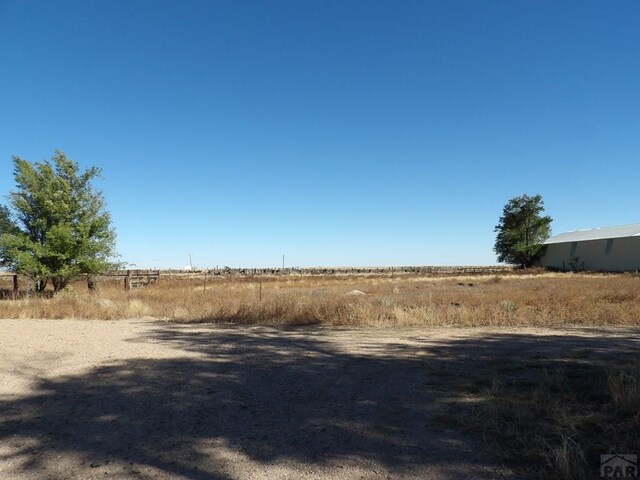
(507, 305)
(624, 388)
(388, 302)
(67, 292)
(567, 460)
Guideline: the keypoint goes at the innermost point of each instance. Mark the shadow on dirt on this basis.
(274, 394)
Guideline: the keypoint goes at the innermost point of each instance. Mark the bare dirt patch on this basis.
(148, 399)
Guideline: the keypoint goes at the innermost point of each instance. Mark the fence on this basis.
(309, 271)
(134, 278)
(11, 284)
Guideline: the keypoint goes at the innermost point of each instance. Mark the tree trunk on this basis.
(59, 284)
(41, 284)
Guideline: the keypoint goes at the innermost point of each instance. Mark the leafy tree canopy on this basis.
(522, 230)
(56, 226)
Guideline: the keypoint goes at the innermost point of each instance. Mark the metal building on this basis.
(611, 249)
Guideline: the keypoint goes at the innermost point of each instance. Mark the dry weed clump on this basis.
(556, 426)
(540, 299)
(625, 391)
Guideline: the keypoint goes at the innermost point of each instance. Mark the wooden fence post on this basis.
(127, 281)
(15, 286)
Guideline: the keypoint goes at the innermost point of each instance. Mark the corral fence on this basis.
(310, 271)
(15, 286)
(9, 286)
(131, 278)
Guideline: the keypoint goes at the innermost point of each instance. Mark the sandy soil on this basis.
(145, 399)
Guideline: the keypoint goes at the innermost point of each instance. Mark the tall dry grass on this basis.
(508, 300)
(557, 425)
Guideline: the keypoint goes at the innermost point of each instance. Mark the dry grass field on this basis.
(547, 377)
(538, 299)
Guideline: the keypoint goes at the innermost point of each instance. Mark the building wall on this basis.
(623, 256)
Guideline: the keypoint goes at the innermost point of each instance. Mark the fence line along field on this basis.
(440, 297)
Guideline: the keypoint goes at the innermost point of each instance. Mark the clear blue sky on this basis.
(334, 132)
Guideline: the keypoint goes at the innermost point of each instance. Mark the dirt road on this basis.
(145, 399)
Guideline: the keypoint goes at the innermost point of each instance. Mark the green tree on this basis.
(6, 225)
(522, 230)
(57, 226)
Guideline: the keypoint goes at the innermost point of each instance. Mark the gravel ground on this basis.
(138, 399)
